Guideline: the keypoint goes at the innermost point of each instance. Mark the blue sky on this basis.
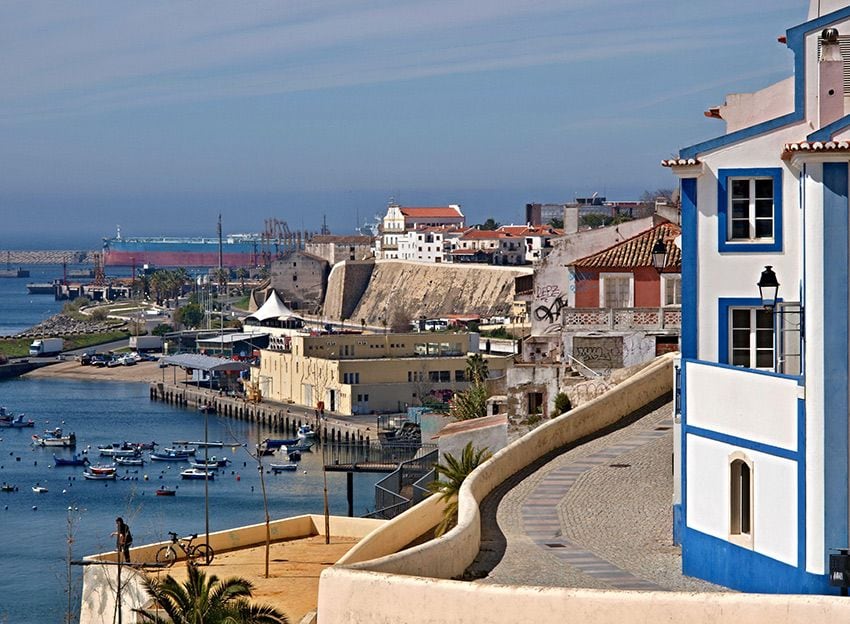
(159, 115)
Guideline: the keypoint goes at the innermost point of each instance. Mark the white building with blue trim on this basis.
(762, 392)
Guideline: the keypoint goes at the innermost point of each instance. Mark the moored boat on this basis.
(294, 456)
(210, 444)
(283, 467)
(172, 456)
(212, 463)
(181, 448)
(306, 431)
(99, 476)
(8, 487)
(101, 469)
(119, 449)
(129, 461)
(305, 444)
(39, 489)
(74, 460)
(165, 491)
(15, 422)
(55, 438)
(195, 473)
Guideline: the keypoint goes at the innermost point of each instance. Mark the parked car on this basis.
(99, 360)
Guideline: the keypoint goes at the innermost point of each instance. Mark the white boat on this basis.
(212, 463)
(170, 455)
(39, 489)
(119, 450)
(196, 473)
(99, 476)
(306, 431)
(181, 448)
(55, 438)
(210, 444)
(283, 467)
(129, 461)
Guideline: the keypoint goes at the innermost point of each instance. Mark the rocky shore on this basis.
(61, 325)
(51, 256)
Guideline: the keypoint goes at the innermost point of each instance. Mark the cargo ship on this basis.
(241, 250)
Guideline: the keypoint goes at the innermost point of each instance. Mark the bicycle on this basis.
(202, 553)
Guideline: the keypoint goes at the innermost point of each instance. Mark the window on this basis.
(741, 499)
(751, 331)
(749, 209)
(460, 375)
(671, 290)
(615, 290)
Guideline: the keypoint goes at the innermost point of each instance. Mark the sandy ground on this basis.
(294, 568)
(71, 369)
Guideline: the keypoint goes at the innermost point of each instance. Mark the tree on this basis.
(455, 472)
(476, 368)
(190, 315)
(489, 224)
(162, 329)
(242, 274)
(649, 197)
(206, 600)
(562, 403)
(556, 223)
(470, 403)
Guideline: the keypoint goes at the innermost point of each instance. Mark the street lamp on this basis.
(768, 288)
(659, 255)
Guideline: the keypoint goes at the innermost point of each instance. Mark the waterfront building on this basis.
(400, 219)
(761, 423)
(428, 243)
(362, 373)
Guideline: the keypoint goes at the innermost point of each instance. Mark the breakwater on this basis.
(47, 256)
(273, 416)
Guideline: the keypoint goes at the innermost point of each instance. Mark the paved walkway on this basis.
(596, 516)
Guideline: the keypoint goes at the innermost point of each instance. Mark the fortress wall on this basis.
(408, 290)
(347, 282)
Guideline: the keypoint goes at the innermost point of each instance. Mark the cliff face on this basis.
(398, 292)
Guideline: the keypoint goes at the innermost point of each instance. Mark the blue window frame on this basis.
(746, 334)
(749, 210)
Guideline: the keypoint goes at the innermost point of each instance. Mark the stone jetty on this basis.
(50, 256)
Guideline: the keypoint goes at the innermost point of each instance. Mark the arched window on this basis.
(741, 499)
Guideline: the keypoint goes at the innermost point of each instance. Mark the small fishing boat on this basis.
(99, 476)
(195, 473)
(39, 489)
(55, 438)
(74, 460)
(206, 409)
(119, 449)
(181, 448)
(212, 463)
(15, 422)
(283, 467)
(294, 456)
(305, 444)
(171, 456)
(274, 443)
(130, 461)
(306, 431)
(166, 491)
(145, 446)
(8, 487)
(101, 469)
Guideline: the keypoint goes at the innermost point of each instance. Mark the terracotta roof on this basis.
(435, 212)
(637, 250)
(530, 230)
(815, 146)
(680, 162)
(485, 234)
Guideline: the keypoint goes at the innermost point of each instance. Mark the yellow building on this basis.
(361, 373)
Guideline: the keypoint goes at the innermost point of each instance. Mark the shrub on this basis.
(562, 403)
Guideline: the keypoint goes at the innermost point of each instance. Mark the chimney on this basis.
(831, 79)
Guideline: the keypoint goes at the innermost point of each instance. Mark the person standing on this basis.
(123, 538)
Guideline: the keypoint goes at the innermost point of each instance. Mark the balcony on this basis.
(621, 319)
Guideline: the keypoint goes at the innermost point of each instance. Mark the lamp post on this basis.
(659, 255)
(768, 288)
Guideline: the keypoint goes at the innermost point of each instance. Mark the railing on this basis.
(593, 374)
(621, 318)
(376, 457)
(389, 501)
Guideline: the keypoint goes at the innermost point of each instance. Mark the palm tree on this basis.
(206, 600)
(455, 472)
(476, 368)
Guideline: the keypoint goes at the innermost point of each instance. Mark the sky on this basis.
(159, 115)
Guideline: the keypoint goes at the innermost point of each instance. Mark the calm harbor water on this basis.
(34, 527)
(20, 310)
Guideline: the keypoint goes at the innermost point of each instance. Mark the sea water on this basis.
(34, 528)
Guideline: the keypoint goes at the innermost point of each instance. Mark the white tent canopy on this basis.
(273, 308)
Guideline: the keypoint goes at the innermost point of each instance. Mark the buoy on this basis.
(305, 472)
(34, 507)
(238, 478)
(146, 477)
(64, 491)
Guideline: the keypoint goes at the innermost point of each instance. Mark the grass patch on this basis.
(20, 347)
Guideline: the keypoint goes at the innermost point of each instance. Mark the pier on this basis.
(278, 417)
